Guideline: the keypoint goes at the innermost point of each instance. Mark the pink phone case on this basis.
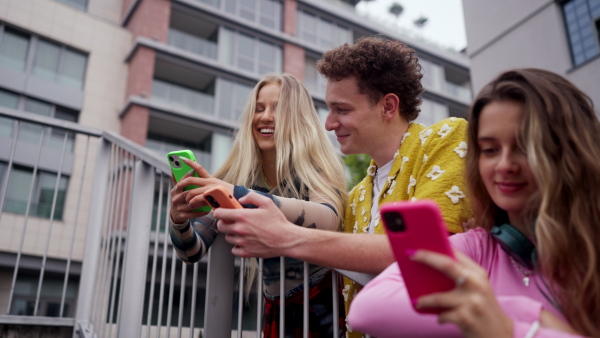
(219, 197)
(423, 228)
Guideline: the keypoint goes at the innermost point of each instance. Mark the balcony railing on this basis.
(192, 43)
(182, 97)
(130, 283)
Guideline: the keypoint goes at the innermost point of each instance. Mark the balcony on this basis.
(192, 43)
(182, 97)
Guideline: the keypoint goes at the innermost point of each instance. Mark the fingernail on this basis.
(184, 158)
(190, 172)
(410, 252)
(175, 188)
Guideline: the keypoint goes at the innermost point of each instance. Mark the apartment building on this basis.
(560, 36)
(166, 75)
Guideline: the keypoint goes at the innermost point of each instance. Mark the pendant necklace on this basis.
(265, 181)
(525, 272)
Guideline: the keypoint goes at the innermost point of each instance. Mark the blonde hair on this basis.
(304, 152)
(561, 136)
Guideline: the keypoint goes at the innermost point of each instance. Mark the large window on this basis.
(30, 133)
(232, 99)
(51, 61)
(13, 49)
(79, 4)
(266, 13)
(321, 32)
(582, 18)
(249, 53)
(25, 294)
(40, 200)
(314, 81)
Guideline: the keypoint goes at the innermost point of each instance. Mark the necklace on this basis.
(525, 272)
(270, 187)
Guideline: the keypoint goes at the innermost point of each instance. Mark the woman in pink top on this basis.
(533, 161)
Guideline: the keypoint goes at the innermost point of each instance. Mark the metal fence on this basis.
(106, 228)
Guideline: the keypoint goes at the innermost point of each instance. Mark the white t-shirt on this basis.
(381, 176)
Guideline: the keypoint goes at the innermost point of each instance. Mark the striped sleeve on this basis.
(192, 239)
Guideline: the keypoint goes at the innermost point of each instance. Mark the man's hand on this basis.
(263, 232)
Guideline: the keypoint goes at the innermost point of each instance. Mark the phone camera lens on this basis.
(177, 163)
(394, 221)
(171, 158)
(211, 200)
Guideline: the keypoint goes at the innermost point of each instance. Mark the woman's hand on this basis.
(472, 305)
(184, 202)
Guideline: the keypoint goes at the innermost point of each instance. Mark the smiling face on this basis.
(352, 117)
(263, 122)
(503, 165)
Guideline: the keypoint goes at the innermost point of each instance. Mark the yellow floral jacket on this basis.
(429, 165)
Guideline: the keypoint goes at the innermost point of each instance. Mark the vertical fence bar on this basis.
(50, 223)
(181, 298)
(74, 228)
(259, 297)
(109, 242)
(305, 302)
(25, 222)
(161, 293)
(219, 286)
(336, 300)
(282, 297)
(114, 269)
(126, 220)
(241, 298)
(194, 292)
(171, 290)
(89, 268)
(154, 256)
(133, 284)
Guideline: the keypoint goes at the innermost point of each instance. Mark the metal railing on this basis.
(131, 284)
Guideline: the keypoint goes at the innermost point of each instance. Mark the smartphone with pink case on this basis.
(412, 226)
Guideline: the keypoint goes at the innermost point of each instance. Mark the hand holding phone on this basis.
(219, 197)
(179, 169)
(414, 226)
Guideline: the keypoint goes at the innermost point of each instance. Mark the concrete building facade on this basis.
(561, 36)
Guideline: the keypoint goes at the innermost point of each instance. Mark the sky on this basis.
(445, 26)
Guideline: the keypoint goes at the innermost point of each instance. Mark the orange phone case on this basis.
(413, 226)
(219, 197)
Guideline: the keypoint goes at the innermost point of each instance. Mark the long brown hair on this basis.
(561, 136)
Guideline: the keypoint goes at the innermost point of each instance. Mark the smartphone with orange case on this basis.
(219, 197)
(414, 226)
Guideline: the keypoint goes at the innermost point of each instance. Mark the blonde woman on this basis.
(282, 151)
(531, 267)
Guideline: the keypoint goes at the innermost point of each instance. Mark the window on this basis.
(582, 18)
(249, 53)
(432, 112)
(79, 4)
(59, 64)
(17, 194)
(13, 49)
(29, 132)
(50, 297)
(232, 99)
(313, 80)
(322, 32)
(266, 13)
(51, 61)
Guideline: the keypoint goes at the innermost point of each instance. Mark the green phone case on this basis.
(179, 169)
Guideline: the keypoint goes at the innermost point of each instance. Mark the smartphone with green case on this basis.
(179, 169)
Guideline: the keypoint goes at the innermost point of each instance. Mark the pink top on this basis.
(383, 307)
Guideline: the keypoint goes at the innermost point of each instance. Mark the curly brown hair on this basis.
(381, 66)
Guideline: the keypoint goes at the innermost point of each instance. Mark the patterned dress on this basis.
(428, 165)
